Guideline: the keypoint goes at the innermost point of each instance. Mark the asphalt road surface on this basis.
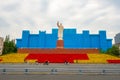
(59, 77)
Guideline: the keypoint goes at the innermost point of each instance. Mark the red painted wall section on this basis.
(0, 60)
(113, 61)
(58, 51)
(57, 58)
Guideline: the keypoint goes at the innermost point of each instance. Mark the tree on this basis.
(113, 51)
(9, 45)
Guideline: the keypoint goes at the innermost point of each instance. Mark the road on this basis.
(59, 77)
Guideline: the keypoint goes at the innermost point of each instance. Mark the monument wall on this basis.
(72, 40)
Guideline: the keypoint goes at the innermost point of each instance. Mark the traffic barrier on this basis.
(57, 71)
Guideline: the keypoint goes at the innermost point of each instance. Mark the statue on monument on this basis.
(60, 31)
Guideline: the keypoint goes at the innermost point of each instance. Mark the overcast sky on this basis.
(35, 15)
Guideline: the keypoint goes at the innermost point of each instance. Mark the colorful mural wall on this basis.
(71, 38)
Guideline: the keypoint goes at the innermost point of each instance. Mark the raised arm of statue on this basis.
(58, 24)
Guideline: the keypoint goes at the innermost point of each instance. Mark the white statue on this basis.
(60, 31)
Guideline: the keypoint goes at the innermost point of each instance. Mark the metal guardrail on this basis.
(57, 71)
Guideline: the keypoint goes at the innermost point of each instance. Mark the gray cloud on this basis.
(44, 5)
(4, 23)
(10, 7)
(115, 3)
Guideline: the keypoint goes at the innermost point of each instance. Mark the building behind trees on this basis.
(117, 40)
(1, 45)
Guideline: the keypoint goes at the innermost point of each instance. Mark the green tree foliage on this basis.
(9, 45)
(113, 51)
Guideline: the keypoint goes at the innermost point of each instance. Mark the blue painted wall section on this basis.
(70, 37)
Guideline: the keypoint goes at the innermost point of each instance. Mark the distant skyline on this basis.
(35, 15)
